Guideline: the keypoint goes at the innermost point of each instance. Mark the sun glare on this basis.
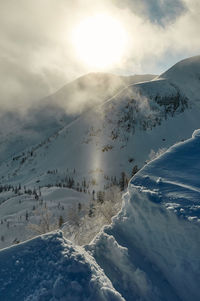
(100, 41)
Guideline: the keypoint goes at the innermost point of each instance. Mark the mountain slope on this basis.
(22, 129)
(140, 119)
(131, 128)
(186, 75)
(92, 89)
(149, 252)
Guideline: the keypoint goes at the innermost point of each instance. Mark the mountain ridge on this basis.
(142, 107)
(132, 127)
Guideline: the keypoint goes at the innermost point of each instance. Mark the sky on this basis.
(37, 55)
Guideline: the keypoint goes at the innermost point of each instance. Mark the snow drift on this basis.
(149, 252)
(50, 268)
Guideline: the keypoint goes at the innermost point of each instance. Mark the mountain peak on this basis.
(183, 68)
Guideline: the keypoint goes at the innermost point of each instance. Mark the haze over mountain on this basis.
(92, 89)
(139, 119)
(99, 150)
(65, 167)
(29, 125)
(53, 149)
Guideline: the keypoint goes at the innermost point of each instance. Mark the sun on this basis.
(100, 41)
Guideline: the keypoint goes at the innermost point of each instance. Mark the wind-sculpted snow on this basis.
(173, 179)
(149, 252)
(49, 268)
(152, 249)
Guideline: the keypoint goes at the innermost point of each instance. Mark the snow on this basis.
(131, 124)
(64, 195)
(185, 75)
(149, 252)
(98, 145)
(50, 268)
(54, 202)
(169, 177)
(196, 133)
(151, 249)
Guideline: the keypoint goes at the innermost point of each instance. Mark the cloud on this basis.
(158, 45)
(37, 57)
(160, 12)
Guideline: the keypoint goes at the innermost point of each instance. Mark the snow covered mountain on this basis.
(186, 76)
(92, 89)
(22, 134)
(140, 120)
(80, 153)
(149, 252)
(28, 126)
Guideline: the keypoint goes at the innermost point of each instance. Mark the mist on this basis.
(37, 57)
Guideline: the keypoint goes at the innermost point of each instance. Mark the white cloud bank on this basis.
(36, 53)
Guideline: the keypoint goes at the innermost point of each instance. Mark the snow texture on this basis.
(14, 227)
(152, 249)
(50, 268)
(149, 252)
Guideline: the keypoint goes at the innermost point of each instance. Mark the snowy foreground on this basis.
(50, 268)
(150, 252)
